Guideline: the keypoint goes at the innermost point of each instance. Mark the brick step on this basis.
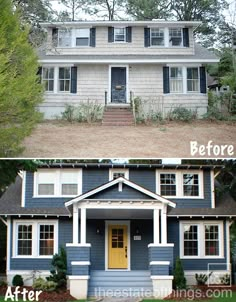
(117, 124)
(117, 117)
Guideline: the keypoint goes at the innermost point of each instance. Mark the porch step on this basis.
(118, 283)
(115, 116)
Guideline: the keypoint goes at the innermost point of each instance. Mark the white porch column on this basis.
(75, 224)
(156, 237)
(83, 226)
(164, 225)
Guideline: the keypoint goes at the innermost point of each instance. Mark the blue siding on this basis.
(75, 253)
(190, 264)
(47, 202)
(144, 177)
(160, 270)
(80, 270)
(162, 254)
(93, 178)
(198, 203)
(65, 232)
(113, 193)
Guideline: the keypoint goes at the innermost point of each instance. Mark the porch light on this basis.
(137, 231)
(98, 231)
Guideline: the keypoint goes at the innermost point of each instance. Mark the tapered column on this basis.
(83, 226)
(156, 237)
(164, 225)
(75, 224)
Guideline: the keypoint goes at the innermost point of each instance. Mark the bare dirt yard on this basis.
(59, 139)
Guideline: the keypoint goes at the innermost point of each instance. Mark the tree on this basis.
(210, 12)
(179, 279)
(148, 9)
(20, 90)
(74, 6)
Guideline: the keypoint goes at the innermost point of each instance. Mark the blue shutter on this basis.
(110, 34)
(203, 86)
(146, 37)
(55, 37)
(93, 37)
(73, 87)
(129, 34)
(166, 80)
(186, 37)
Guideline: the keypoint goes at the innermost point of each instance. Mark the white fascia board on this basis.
(202, 215)
(132, 61)
(128, 183)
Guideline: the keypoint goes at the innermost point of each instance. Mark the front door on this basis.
(118, 84)
(117, 247)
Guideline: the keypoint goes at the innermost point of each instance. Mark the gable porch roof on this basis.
(120, 180)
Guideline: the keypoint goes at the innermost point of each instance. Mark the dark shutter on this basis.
(146, 37)
(186, 37)
(166, 81)
(93, 37)
(39, 74)
(203, 87)
(129, 34)
(73, 87)
(55, 37)
(110, 34)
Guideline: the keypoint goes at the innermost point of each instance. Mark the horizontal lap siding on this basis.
(136, 47)
(93, 178)
(144, 177)
(162, 254)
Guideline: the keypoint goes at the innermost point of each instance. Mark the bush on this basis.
(225, 280)
(69, 113)
(17, 280)
(179, 279)
(213, 113)
(202, 278)
(3, 283)
(58, 273)
(182, 114)
(42, 284)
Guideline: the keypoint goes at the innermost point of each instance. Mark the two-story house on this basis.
(112, 62)
(122, 225)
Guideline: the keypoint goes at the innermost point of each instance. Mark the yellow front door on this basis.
(117, 247)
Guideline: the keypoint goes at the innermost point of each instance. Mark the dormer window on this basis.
(82, 36)
(157, 37)
(64, 37)
(119, 34)
(175, 37)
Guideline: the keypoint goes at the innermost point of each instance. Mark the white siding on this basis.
(134, 48)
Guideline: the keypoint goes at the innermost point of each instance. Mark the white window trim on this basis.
(57, 183)
(42, 79)
(167, 43)
(182, 41)
(201, 238)
(74, 36)
(58, 81)
(35, 237)
(117, 42)
(184, 76)
(115, 170)
(164, 38)
(179, 183)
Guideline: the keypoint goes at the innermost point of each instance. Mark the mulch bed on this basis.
(55, 296)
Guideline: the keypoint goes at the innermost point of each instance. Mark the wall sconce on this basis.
(137, 231)
(98, 231)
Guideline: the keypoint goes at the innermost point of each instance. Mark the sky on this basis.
(228, 14)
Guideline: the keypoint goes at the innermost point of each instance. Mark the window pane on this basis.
(82, 41)
(64, 79)
(64, 38)
(190, 240)
(24, 240)
(176, 79)
(118, 174)
(191, 185)
(119, 34)
(211, 240)
(48, 78)
(192, 79)
(46, 189)
(168, 184)
(175, 36)
(157, 36)
(46, 242)
(69, 189)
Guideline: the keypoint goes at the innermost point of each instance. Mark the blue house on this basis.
(122, 225)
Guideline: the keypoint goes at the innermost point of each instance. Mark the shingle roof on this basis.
(201, 55)
(10, 203)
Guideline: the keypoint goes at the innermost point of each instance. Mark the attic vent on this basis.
(173, 161)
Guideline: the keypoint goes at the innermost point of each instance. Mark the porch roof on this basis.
(120, 180)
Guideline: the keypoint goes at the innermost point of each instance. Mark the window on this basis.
(82, 37)
(64, 38)
(24, 239)
(176, 79)
(175, 37)
(190, 240)
(180, 184)
(119, 34)
(46, 183)
(35, 238)
(69, 183)
(201, 239)
(192, 79)
(48, 78)
(116, 173)
(53, 183)
(211, 240)
(64, 79)
(157, 37)
(191, 184)
(168, 184)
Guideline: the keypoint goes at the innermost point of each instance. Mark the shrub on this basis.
(58, 273)
(179, 279)
(213, 113)
(225, 280)
(69, 113)
(201, 278)
(3, 283)
(42, 284)
(182, 114)
(17, 280)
